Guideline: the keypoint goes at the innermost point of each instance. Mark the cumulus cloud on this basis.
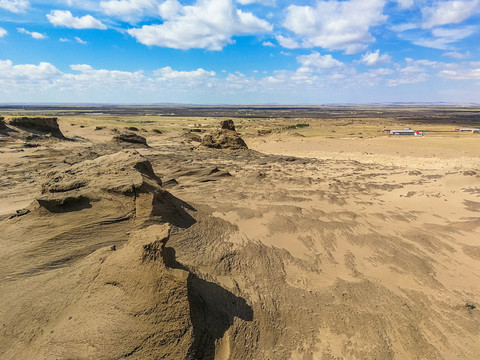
(318, 62)
(66, 19)
(287, 42)
(268, 44)
(208, 24)
(449, 12)
(33, 34)
(44, 82)
(336, 25)
(110, 78)
(15, 6)
(375, 59)
(169, 9)
(3, 32)
(27, 72)
(168, 73)
(129, 10)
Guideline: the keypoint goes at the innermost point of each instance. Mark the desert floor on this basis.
(327, 241)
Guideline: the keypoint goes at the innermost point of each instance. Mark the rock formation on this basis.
(125, 178)
(3, 126)
(95, 279)
(227, 125)
(38, 126)
(226, 138)
(135, 298)
(130, 138)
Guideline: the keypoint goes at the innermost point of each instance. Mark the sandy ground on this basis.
(300, 248)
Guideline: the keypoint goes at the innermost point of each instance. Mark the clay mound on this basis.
(38, 126)
(227, 138)
(130, 138)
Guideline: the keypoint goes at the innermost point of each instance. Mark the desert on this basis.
(239, 232)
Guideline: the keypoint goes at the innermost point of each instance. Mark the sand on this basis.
(298, 248)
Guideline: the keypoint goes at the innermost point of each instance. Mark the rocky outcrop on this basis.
(93, 276)
(39, 126)
(123, 173)
(135, 307)
(125, 182)
(3, 126)
(226, 138)
(227, 125)
(130, 138)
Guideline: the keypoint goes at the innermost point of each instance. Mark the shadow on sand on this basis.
(213, 310)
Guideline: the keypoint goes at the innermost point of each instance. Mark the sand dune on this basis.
(293, 249)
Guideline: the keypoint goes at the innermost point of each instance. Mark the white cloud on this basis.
(263, 2)
(405, 4)
(454, 34)
(83, 83)
(348, 78)
(90, 5)
(80, 41)
(457, 55)
(414, 71)
(268, 44)
(110, 78)
(66, 19)
(462, 71)
(318, 62)
(169, 9)
(27, 73)
(168, 73)
(33, 34)
(336, 25)
(448, 12)
(64, 40)
(443, 38)
(287, 42)
(403, 27)
(3, 32)
(208, 24)
(375, 59)
(130, 10)
(15, 6)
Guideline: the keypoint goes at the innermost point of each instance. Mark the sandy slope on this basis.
(307, 249)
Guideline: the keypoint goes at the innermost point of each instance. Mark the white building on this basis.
(406, 131)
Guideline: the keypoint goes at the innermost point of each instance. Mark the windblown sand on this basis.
(298, 248)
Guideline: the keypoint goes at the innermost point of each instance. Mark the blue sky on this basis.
(239, 51)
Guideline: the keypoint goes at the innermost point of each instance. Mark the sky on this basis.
(239, 51)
